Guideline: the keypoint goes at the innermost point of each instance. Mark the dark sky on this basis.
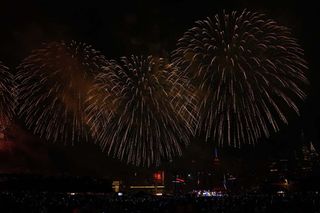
(119, 28)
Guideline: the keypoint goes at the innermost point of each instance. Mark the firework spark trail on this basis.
(248, 71)
(7, 96)
(142, 110)
(53, 84)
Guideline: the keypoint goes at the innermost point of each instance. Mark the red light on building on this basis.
(159, 177)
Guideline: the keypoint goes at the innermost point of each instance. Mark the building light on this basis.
(116, 185)
(179, 180)
(158, 177)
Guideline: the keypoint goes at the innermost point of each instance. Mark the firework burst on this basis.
(7, 97)
(142, 110)
(249, 72)
(53, 84)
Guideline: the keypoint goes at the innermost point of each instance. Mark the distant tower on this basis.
(216, 160)
(313, 150)
(308, 150)
(307, 157)
(217, 176)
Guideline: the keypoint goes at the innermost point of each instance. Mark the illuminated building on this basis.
(298, 172)
(152, 182)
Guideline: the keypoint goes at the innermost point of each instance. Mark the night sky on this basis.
(144, 27)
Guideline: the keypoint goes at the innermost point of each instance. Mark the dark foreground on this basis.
(74, 203)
